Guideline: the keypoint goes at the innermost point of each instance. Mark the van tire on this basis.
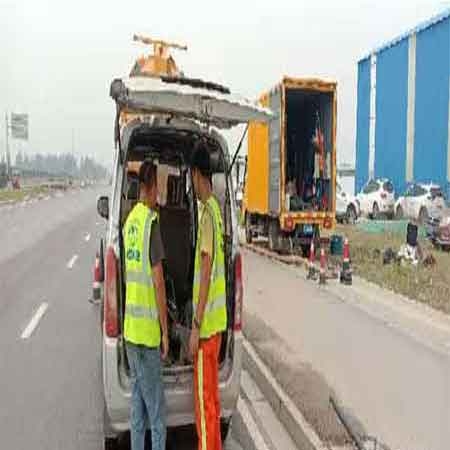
(110, 441)
(375, 211)
(423, 216)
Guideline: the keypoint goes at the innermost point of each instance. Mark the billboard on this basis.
(19, 126)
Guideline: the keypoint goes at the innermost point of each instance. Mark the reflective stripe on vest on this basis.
(215, 316)
(141, 313)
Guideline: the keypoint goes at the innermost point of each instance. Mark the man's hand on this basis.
(194, 342)
(164, 346)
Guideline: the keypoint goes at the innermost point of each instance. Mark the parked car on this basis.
(438, 230)
(347, 206)
(196, 110)
(419, 202)
(377, 199)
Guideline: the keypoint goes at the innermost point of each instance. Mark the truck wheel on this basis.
(375, 212)
(274, 235)
(423, 216)
(351, 215)
(248, 231)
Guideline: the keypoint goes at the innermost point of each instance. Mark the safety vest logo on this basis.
(133, 252)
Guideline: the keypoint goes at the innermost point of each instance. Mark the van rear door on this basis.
(206, 102)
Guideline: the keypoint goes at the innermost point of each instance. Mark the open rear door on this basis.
(206, 102)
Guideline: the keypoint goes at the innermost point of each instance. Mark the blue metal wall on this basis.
(362, 124)
(432, 97)
(391, 114)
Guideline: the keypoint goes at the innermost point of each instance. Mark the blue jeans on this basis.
(147, 396)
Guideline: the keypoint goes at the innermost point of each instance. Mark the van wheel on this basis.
(399, 213)
(248, 230)
(111, 444)
(274, 235)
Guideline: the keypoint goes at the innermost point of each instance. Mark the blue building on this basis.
(403, 120)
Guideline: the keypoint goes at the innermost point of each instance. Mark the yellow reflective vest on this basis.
(141, 312)
(215, 315)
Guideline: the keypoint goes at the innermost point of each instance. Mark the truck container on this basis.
(290, 182)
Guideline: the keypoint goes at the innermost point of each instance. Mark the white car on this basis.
(377, 199)
(347, 206)
(419, 202)
(196, 113)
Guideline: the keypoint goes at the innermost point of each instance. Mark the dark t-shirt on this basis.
(156, 245)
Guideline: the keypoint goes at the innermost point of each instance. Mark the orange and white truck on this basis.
(290, 182)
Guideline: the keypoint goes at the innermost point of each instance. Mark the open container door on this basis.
(206, 102)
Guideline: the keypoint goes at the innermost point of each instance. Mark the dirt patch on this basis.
(22, 194)
(306, 387)
(430, 285)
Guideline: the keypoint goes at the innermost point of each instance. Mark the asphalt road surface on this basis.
(399, 387)
(51, 388)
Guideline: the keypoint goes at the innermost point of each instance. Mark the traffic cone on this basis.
(312, 257)
(96, 284)
(346, 272)
(323, 263)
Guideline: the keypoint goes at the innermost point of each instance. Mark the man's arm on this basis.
(205, 278)
(160, 291)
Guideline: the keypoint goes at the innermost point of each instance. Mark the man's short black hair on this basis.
(201, 159)
(147, 173)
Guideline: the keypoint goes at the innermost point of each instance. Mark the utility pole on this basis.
(8, 156)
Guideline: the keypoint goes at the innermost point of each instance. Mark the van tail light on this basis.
(110, 302)
(383, 195)
(238, 292)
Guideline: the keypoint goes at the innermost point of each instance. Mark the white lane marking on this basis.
(87, 237)
(72, 261)
(34, 321)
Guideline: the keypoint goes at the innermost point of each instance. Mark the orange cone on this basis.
(312, 257)
(346, 272)
(96, 284)
(323, 263)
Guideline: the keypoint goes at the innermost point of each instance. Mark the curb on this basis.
(245, 426)
(292, 419)
(286, 259)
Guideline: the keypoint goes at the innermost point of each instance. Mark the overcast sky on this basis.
(57, 58)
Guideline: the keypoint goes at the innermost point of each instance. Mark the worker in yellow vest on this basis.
(209, 299)
(145, 328)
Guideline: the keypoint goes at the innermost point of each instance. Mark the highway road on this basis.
(51, 388)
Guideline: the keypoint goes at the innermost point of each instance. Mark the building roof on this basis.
(417, 29)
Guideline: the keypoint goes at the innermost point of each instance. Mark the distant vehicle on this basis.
(347, 206)
(377, 199)
(419, 202)
(197, 110)
(289, 184)
(439, 230)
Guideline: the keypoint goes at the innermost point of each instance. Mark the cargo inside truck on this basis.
(309, 149)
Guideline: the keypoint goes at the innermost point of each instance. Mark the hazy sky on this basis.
(57, 58)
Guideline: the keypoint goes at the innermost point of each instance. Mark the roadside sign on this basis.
(19, 126)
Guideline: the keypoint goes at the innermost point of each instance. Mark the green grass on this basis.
(19, 195)
(430, 285)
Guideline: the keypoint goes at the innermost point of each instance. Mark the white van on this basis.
(162, 119)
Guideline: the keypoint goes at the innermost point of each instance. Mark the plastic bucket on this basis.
(336, 245)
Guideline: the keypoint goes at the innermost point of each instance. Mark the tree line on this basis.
(62, 164)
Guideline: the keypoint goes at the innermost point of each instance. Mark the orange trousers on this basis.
(207, 400)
